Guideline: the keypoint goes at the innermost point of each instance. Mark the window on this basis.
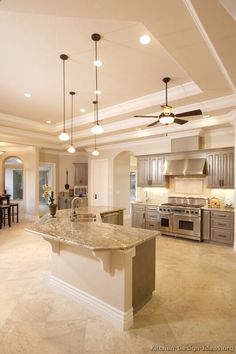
(13, 167)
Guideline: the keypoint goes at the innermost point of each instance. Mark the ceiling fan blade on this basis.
(154, 123)
(196, 112)
(180, 121)
(146, 116)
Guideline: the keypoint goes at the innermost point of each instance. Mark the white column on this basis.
(234, 184)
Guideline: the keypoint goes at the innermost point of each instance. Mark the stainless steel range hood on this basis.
(186, 167)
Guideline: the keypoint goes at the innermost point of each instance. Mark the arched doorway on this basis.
(13, 177)
(124, 179)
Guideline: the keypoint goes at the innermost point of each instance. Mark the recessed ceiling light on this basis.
(82, 110)
(48, 121)
(206, 116)
(97, 63)
(145, 39)
(27, 94)
(97, 92)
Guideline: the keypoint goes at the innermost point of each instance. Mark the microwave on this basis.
(80, 191)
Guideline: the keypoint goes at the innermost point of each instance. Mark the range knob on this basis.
(192, 212)
(187, 211)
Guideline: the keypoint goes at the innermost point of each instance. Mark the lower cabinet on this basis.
(138, 216)
(218, 226)
(145, 216)
(113, 217)
(65, 202)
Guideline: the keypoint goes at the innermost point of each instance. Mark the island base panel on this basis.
(143, 283)
(102, 279)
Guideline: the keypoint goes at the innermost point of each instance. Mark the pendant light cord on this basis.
(72, 93)
(64, 98)
(96, 80)
(166, 95)
(71, 128)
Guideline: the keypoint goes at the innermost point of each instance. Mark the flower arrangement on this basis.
(48, 194)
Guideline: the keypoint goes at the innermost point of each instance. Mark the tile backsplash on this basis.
(194, 187)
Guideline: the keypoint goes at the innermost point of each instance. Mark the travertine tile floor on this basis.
(194, 305)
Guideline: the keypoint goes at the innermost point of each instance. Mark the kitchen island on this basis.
(110, 268)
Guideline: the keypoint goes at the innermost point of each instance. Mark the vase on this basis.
(52, 209)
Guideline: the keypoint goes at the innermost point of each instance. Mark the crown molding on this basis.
(208, 42)
(206, 106)
(25, 122)
(174, 93)
(160, 130)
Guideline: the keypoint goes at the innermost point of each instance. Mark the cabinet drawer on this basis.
(151, 217)
(138, 207)
(222, 215)
(220, 235)
(222, 223)
(151, 225)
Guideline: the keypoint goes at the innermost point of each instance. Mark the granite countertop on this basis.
(92, 235)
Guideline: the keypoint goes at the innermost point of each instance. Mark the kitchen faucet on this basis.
(73, 213)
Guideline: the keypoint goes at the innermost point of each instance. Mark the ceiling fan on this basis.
(167, 117)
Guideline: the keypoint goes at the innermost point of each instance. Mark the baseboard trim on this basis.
(122, 320)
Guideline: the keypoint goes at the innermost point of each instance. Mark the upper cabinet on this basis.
(220, 169)
(81, 174)
(150, 171)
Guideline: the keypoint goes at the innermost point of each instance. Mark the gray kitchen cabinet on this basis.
(81, 174)
(220, 169)
(206, 225)
(143, 171)
(149, 171)
(218, 226)
(115, 217)
(64, 202)
(151, 217)
(156, 165)
(138, 216)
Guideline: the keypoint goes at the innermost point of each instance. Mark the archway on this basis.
(13, 177)
(124, 179)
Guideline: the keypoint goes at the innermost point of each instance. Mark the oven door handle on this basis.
(188, 216)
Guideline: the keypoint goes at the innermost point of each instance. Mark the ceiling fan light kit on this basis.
(167, 116)
(63, 135)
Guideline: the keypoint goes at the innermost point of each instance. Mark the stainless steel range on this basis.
(181, 217)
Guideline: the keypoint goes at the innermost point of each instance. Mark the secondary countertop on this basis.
(92, 235)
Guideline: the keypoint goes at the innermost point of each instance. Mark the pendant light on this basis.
(71, 149)
(97, 128)
(63, 135)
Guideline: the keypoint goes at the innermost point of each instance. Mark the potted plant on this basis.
(48, 194)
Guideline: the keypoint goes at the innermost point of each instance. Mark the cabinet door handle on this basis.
(220, 224)
(222, 182)
(221, 235)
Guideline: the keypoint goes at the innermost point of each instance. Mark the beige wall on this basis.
(66, 163)
(121, 182)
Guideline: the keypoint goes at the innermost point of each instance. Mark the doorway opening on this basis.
(46, 176)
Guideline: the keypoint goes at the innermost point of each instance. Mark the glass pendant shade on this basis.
(71, 149)
(64, 136)
(95, 152)
(97, 129)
